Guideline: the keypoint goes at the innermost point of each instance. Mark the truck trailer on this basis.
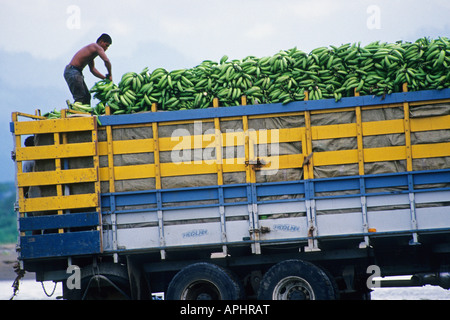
(306, 200)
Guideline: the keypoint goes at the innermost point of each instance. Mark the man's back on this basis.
(85, 55)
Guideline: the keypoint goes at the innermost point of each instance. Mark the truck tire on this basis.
(204, 281)
(107, 281)
(296, 280)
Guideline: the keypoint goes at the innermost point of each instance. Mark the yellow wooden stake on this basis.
(157, 166)
(308, 168)
(407, 123)
(359, 137)
(110, 152)
(218, 145)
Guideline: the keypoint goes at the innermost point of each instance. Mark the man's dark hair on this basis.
(105, 38)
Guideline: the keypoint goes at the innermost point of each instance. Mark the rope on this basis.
(45, 291)
(20, 274)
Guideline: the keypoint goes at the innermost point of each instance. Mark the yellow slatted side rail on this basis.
(359, 153)
(206, 166)
(19, 166)
(59, 152)
(247, 138)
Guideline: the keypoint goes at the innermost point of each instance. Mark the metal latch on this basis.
(260, 230)
(257, 164)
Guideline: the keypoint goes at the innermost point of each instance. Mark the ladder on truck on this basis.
(52, 219)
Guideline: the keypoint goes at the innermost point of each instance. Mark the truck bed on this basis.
(308, 175)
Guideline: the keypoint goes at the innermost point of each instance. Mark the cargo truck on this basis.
(305, 200)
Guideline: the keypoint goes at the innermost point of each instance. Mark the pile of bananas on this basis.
(325, 73)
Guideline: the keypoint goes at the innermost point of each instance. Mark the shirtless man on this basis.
(74, 70)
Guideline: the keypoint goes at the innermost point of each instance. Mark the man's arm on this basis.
(94, 70)
(102, 55)
(108, 67)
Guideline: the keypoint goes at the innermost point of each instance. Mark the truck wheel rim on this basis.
(201, 290)
(293, 288)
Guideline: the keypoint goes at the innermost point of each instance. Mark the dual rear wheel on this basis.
(287, 280)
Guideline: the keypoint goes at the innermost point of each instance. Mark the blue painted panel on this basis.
(336, 184)
(432, 177)
(278, 189)
(70, 220)
(385, 181)
(190, 195)
(238, 191)
(296, 106)
(308, 188)
(60, 244)
(136, 198)
(173, 195)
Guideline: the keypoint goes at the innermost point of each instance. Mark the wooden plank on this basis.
(58, 203)
(430, 123)
(192, 168)
(234, 165)
(44, 178)
(72, 150)
(335, 157)
(134, 172)
(432, 150)
(288, 161)
(372, 128)
(187, 142)
(278, 135)
(385, 154)
(127, 146)
(54, 125)
(334, 131)
(231, 139)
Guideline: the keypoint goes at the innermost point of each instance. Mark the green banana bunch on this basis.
(54, 114)
(78, 106)
(290, 75)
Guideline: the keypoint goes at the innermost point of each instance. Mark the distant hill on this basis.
(8, 219)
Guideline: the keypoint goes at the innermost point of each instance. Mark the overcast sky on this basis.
(39, 37)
